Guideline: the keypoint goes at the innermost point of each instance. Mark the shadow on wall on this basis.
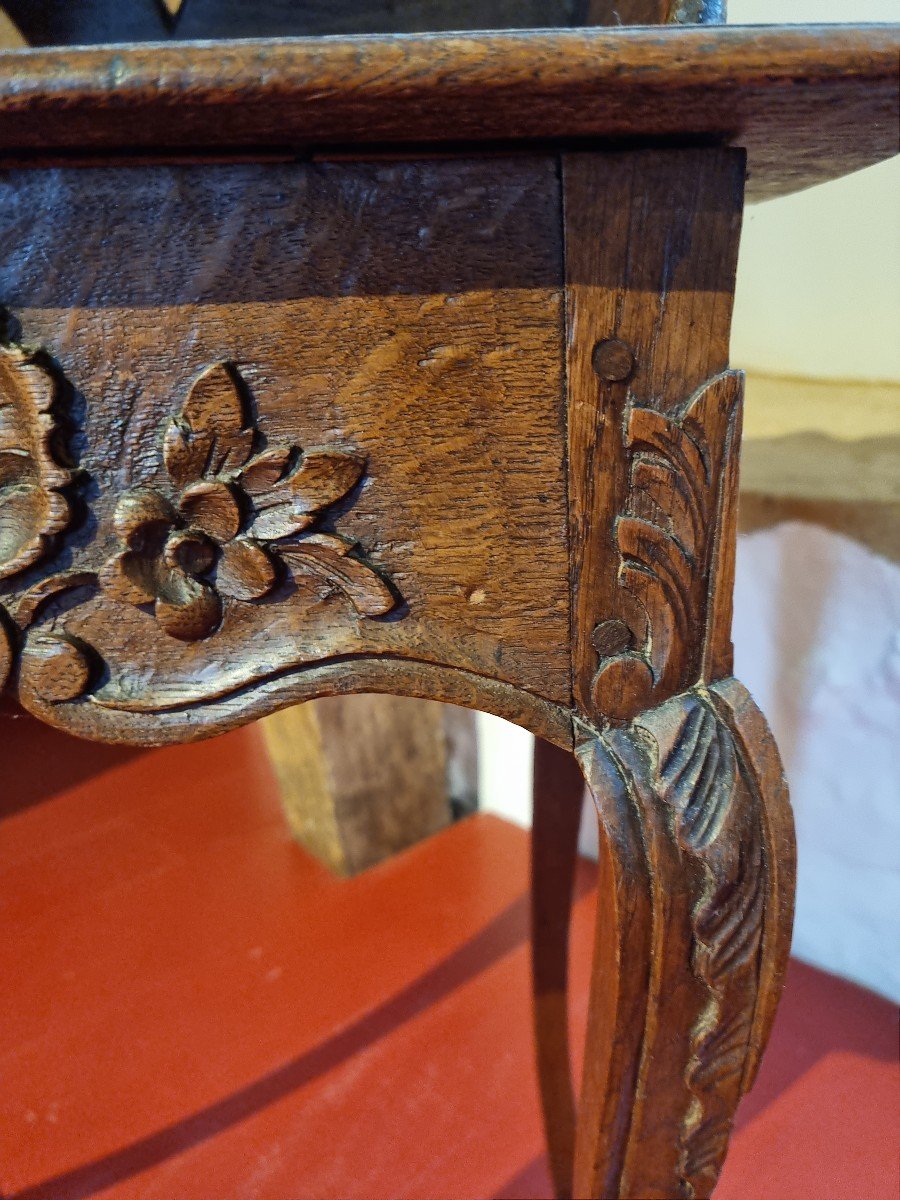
(849, 487)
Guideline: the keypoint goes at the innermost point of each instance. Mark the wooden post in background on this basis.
(363, 777)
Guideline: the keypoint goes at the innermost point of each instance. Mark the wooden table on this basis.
(401, 365)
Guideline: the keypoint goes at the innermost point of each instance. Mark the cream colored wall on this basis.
(819, 276)
(10, 38)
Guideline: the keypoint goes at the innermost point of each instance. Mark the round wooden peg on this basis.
(613, 360)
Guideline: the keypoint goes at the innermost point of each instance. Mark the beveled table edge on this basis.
(809, 103)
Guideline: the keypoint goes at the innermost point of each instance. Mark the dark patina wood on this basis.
(695, 835)
(693, 932)
(808, 104)
(361, 776)
(397, 323)
(454, 423)
(651, 256)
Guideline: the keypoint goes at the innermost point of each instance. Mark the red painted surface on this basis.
(192, 1007)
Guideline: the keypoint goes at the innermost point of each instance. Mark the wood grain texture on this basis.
(558, 792)
(361, 777)
(405, 316)
(692, 939)
(651, 255)
(807, 103)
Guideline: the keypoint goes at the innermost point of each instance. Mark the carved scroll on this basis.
(653, 422)
(675, 541)
(34, 505)
(697, 834)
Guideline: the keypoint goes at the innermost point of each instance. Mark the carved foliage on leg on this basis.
(715, 925)
(673, 541)
(716, 822)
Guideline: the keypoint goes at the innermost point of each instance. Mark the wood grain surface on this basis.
(407, 314)
(361, 777)
(807, 103)
(651, 257)
(693, 930)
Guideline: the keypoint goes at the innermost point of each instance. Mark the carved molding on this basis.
(701, 846)
(673, 538)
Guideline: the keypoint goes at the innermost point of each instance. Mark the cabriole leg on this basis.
(558, 794)
(693, 931)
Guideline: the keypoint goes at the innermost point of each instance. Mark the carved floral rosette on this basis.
(234, 520)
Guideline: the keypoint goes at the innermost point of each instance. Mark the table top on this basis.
(809, 103)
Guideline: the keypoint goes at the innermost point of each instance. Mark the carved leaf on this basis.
(187, 608)
(33, 508)
(666, 541)
(212, 542)
(265, 470)
(211, 507)
(330, 557)
(721, 1061)
(698, 777)
(55, 667)
(185, 452)
(211, 437)
(245, 570)
(131, 577)
(729, 924)
(662, 496)
(322, 477)
(717, 825)
(31, 602)
(143, 515)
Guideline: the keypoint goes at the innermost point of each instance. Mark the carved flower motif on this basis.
(234, 519)
(33, 507)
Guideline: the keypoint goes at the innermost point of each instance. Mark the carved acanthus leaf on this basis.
(33, 506)
(668, 537)
(329, 556)
(716, 823)
(697, 777)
